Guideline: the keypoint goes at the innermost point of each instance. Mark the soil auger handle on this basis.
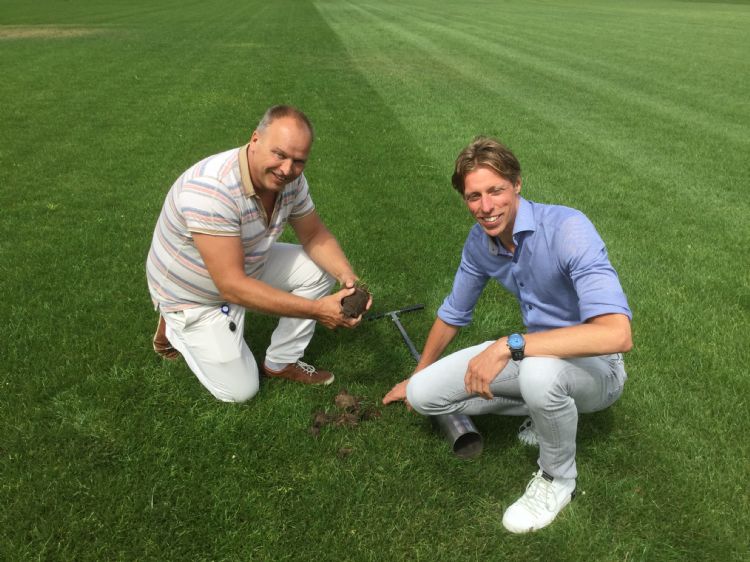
(393, 315)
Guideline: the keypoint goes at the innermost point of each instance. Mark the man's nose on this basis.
(286, 166)
(486, 203)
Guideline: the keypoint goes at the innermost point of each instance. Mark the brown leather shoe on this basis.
(161, 343)
(301, 372)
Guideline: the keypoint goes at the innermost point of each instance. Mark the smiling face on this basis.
(277, 154)
(493, 201)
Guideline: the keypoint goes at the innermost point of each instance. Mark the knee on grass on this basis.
(236, 388)
(236, 395)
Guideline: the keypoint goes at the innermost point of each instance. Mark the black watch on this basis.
(516, 344)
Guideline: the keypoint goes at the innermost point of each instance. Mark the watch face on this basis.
(515, 341)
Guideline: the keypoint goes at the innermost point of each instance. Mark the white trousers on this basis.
(552, 391)
(219, 356)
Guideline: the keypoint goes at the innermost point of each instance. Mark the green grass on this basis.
(635, 112)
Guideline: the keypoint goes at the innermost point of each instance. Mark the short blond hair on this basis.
(485, 152)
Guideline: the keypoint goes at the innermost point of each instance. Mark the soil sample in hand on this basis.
(355, 304)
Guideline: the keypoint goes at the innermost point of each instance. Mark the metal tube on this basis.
(458, 429)
(460, 432)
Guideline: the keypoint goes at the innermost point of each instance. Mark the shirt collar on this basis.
(247, 184)
(524, 219)
(524, 223)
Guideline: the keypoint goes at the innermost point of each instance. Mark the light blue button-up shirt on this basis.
(559, 272)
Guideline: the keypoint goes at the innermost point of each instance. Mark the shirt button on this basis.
(521, 284)
(530, 307)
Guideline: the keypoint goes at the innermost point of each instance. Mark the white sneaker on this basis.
(543, 500)
(527, 433)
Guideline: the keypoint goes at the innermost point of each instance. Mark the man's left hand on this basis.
(349, 280)
(484, 368)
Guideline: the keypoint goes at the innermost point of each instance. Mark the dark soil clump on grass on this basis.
(349, 413)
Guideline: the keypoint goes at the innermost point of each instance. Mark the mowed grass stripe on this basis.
(607, 63)
(631, 200)
(527, 53)
(613, 130)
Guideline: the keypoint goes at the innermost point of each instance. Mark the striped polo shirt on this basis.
(215, 196)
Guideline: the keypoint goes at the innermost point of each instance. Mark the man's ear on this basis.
(517, 187)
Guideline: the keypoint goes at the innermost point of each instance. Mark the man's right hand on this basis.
(397, 394)
(330, 312)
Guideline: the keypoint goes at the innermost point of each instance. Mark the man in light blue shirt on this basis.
(577, 321)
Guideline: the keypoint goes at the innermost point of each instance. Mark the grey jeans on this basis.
(552, 391)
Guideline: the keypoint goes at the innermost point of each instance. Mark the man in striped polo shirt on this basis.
(215, 253)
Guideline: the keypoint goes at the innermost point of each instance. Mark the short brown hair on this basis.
(279, 111)
(489, 153)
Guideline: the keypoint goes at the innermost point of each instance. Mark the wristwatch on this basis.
(516, 344)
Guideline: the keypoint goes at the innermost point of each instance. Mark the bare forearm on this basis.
(262, 297)
(441, 334)
(224, 259)
(605, 334)
(326, 252)
(600, 336)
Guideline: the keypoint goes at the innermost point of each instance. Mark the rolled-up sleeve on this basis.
(584, 257)
(458, 307)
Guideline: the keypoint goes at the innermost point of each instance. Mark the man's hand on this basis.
(330, 313)
(348, 280)
(484, 367)
(397, 394)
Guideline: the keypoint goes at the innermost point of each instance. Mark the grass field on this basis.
(635, 112)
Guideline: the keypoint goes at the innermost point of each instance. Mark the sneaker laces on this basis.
(538, 494)
(309, 369)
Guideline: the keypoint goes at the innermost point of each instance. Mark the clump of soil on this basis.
(349, 413)
(345, 401)
(355, 304)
